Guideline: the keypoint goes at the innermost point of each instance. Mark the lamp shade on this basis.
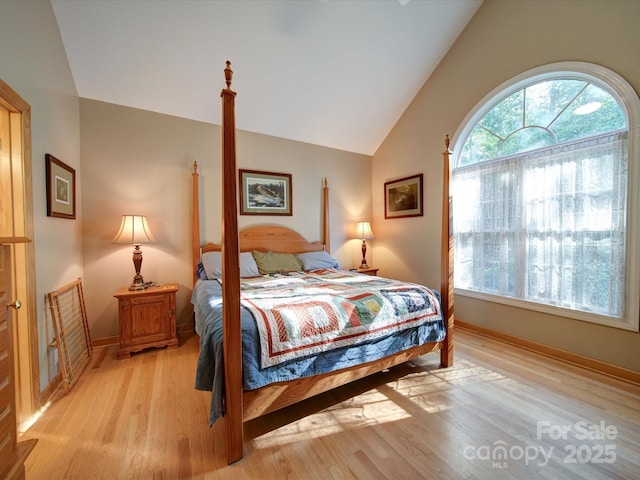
(363, 231)
(134, 230)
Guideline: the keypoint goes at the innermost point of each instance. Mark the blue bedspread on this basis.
(207, 303)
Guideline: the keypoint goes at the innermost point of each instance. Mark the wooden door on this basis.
(16, 220)
(12, 453)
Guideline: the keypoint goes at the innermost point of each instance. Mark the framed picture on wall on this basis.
(265, 193)
(403, 197)
(61, 188)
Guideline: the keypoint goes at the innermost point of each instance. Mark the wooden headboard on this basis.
(273, 238)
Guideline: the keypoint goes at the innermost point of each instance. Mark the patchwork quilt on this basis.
(303, 313)
(207, 303)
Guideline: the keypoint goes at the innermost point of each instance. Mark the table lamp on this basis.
(134, 230)
(363, 231)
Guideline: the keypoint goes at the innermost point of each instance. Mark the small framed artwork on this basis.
(61, 188)
(265, 193)
(403, 197)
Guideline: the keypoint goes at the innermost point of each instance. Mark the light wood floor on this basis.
(498, 413)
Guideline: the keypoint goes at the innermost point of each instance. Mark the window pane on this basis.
(526, 139)
(480, 145)
(565, 207)
(593, 112)
(546, 100)
(506, 116)
(546, 113)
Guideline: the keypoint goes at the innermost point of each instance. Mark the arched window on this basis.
(542, 192)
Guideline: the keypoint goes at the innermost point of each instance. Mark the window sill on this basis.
(622, 323)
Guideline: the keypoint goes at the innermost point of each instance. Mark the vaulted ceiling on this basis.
(328, 72)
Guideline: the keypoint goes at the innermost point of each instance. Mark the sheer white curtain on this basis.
(546, 226)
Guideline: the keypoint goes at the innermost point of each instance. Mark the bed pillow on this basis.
(212, 262)
(276, 262)
(248, 267)
(317, 260)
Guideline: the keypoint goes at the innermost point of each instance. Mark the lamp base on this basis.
(138, 283)
(363, 264)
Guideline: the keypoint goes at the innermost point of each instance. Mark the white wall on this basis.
(503, 39)
(34, 64)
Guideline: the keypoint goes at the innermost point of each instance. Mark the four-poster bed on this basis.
(239, 404)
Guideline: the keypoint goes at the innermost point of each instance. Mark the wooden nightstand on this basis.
(147, 318)
(367, 271)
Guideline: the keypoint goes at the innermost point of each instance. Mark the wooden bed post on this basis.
(195, 223)
(232, 343)
(326, 240)
(446, 261)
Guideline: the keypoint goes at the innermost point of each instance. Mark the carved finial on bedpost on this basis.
(446, 142)
(195, 167)
(228, 74)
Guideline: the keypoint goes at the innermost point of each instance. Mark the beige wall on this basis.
(33, 62)
(503, 39)
(138, 162)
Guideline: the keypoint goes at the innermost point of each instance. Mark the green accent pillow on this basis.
(276, 262)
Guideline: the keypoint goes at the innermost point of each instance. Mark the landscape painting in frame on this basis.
(61, 188)
(265, 193)
(403, 197)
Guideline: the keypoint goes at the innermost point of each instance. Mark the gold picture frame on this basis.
(61, 188)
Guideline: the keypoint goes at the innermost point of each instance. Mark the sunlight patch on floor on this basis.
(27, 424)
(414, 393)
(368, 409)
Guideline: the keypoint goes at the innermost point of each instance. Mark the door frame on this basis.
(17, 155)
